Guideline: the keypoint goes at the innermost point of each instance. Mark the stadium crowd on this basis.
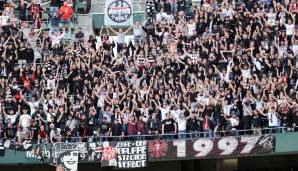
(210, 70)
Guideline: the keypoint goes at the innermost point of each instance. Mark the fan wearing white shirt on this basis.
(25, 119)
(181, 121)
(4, 20)
(290, 28)
(161, 15)
(176, 112)
(227, 108)
(56, 37)
(164, 109)
(234, 121)
(11, 116)
(295, 47)
(34, 104)
(273, 119)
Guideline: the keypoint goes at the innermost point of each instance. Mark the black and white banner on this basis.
(206, 147)
(68, 161)
(131, 154)
(118, 12)
(26, 145)
(61, 148)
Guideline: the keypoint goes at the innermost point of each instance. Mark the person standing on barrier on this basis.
(168, 127)
(116, 130)
(234, 120)
(181, 121)
(273, 119)
(153, 125)
(132, 128)
(207, 126)
(120, 37)
(105, 129)
(193, 126)
(256, 122)
(141, 128)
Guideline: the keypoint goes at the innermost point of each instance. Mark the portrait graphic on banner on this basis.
(118, 12)
(57, 152)
(68, 161)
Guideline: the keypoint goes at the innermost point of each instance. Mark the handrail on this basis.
(173, 136)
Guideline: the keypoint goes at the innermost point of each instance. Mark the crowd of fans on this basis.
(210, 70)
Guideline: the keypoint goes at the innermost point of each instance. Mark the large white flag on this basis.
(118, 12)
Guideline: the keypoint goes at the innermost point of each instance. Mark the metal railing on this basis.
(185, 136)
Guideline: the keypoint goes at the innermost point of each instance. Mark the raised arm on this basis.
(114, 31)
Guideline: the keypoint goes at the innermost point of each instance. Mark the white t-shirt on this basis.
(295, 49)
(191, 28)
(25, 120)
(33, 107)
(49, 115)
(163, 112)
(290, 29)
(12, 118)
(271, 18)
(101, 101)
(227, 109)
(181, 124)
(245, 73)
(272, 119)
(120, 38)
(51, 83)
(54, 134)
(234, 122)
(4, 20)
(159, 16)
(175, 113)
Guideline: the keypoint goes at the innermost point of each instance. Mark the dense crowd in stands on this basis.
(209, 70)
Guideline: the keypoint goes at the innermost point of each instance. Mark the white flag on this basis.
(118, 12)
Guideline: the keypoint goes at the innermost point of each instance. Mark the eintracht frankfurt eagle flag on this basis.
(118, 12)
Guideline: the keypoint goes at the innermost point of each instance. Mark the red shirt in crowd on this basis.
(65, 12)
(132, 128)
(141, 127)
(42, 134)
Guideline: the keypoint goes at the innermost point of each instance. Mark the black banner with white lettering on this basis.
(59, 148)
(131, 154)
(206, 147)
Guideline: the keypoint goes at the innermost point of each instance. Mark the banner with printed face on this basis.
(118, 12)
(68, 161)
(131, 154)
(58, 150)
(206, 147)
